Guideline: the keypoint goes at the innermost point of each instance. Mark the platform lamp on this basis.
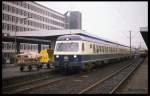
(16, 36)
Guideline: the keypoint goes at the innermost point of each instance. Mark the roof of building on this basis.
(48, 8)
(46, 33)
(25, 38)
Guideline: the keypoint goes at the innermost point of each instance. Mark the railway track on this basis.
(73, 84)
(110, 83)
(26, 86)
(76, 83)
(19, 86)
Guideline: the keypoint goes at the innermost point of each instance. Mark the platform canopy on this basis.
(56, 33)
(144, 32)
(44, 33)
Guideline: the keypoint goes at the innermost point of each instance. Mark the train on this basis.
(80, 52)
(75, 53)
(143, 52)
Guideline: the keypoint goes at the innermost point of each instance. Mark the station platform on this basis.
(14, 71)
(138, 82)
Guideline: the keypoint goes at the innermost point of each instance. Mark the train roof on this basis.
(87, 38)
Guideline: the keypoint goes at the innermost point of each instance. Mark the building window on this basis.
(13, 9)
(3, 26)
(3, 6)
(3, 16)
(9, 8)
(25, 5)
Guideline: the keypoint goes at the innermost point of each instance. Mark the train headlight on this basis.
(57, 56)
(75, 56)
(67, 38)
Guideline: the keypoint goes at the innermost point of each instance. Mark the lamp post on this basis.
(16, 36)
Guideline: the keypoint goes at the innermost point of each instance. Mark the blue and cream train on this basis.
(78, 52)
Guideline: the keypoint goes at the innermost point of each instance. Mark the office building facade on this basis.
(22, 16)
(73, 20)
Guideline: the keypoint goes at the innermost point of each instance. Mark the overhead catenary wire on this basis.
(125, 24)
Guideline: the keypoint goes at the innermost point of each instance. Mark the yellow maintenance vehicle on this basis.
(47, 57)
(32, 59)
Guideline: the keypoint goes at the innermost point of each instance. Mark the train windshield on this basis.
(71, 46)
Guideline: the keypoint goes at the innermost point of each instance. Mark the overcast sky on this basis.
(111, 20)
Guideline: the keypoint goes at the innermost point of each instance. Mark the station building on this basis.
(34, 41)
(23, 16)
(31, 26)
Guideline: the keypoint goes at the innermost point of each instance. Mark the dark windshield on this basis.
(67, 46)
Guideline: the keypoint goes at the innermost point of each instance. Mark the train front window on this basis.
(72, 46)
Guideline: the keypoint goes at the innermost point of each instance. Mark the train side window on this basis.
(110, 49)
(99, 48)
(93, 48)
(102, 48)
(107, 49)
(114, 50)
(82, 46)
(90, 45)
